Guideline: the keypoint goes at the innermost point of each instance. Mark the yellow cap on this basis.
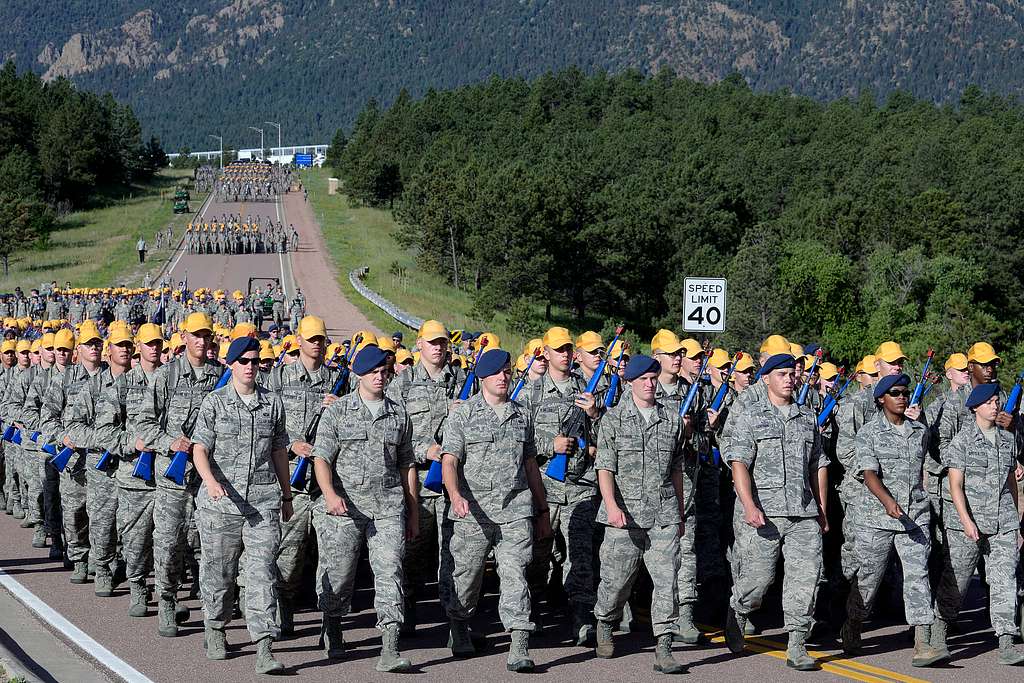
(556, 338)
(493, 340)
(267, 351)
(403, 356)
(237, 294)
(533, 345)
(64, 339)
(36, 345)
(719, 358)
(522, 361)
(957, 361)
(665, 341)
(982, 352)
(119, 335)
(828, 370)
(796, 350)
(311, 326)
(243, 330)
(890, 352)
(692, 348)
(197, 322)
(744, 363)
(432, 330)
(289, 344)
(88, 332)
(589, 341)
(8, 345)
(774, 344)
(387, 344)
(176, 342)
(24, 346)
(367, 338)
(867, 365)
(333, 349)
(148, 334)
(46, 341)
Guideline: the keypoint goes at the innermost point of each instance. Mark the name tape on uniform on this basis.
(704, 304)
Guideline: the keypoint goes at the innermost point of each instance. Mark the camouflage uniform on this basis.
(573, 502)
(644, 457)
(24, 464)
(987, 469)
(302, 393)
(54, 417)
(851, 415)
(101, 489)
(167, 406)
(12, 484)
(782, 449)
(366, 455)
(240, 439)
(492, 452)
(426, 400)
(115, 426)
(48, 478)
(897, 455)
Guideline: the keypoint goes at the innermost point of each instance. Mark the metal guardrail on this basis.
(355, 277)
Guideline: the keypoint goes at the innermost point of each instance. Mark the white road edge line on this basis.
(280, 256)
(74, 635)
(181, 251)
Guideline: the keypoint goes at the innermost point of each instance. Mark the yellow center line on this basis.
(836, 664)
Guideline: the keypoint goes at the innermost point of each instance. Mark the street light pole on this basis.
(278, 126)
(260, 131)
(221, 140)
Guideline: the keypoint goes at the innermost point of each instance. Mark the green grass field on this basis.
(361, 236)
(95, 247)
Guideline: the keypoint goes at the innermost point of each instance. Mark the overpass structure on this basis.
(283, 155)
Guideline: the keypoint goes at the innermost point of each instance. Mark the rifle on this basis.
(1013, 400)
(298, 478)
(832, 400)
(802, 398)
(434, 479)
(684, 407)
(104, 459)
(526, 373)
(723, 390)
(346, 371)
(919, 388)
(176, 469)
(575, 419)
(60, 459)
(144, 466)
(613, 383)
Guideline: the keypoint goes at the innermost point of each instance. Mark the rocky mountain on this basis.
(218, 66)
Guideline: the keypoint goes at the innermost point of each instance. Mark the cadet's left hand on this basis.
(914, 412)
(68, 442)
(329, 399)
(588, 404)
(542, 525)
(1018, 473)
(823, 522)
(412, 524)
(286, 510)
(1004, 419)
(713, 416)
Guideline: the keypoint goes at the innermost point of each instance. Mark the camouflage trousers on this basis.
(101, 506)
(512, 543)
(12, 484)
(428, 557)
(873, 549)
(340, 539)
(573, 526)
(686, 576)
(960, 561)
(35, 474)
(622, 551)
(23, 467)
(291, 555)
(173, 515)
(135, 526)
(848, 551)
(798, 540)
(221, 538)
(73, 501)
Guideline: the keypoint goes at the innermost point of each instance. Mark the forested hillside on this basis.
(846, 223)
(218, 66)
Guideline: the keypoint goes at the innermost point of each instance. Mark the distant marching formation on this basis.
(244, 181)
(241, 459)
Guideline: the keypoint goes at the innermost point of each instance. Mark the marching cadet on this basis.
(167, 415)
(956, 372)
(426, 391)
(639, 468)
(892, 512)
(980, 517)
(115, 425)
(497, 503)
(304, 388)
(573, 502)
(241, 456)
(743, 374)
(13, 455)
(589, 353)
(365, 467)
(866, 373)
(101, 487)
(540, 365)
(28, 416)
(779, 472)
(25, 464)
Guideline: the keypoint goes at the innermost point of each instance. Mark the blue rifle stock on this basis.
(144, 466)
(831, 402)
(179, 462)
(35, 436)
(298, 478)
(919, 388)
(1013, 400)
(434, 480)
(558, 466)
(613, 384)
(9, 433)
(16, 437)
(684, 407)
(723, 390)
(104, 459)
(522, 380)
(61, 459)
(802, 398)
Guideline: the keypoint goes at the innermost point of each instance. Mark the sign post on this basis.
(704, 304)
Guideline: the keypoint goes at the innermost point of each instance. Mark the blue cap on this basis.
(273, 327)
(397, 335)
(240, 346)
(888, 382)
(369, 358)
(492, 362)
(640, 365)
(981, 394)
(812, 348)
(778, 361)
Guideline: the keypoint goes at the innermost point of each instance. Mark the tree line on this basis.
(846, 223)
(59, 146)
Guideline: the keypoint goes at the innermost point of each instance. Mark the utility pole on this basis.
(278, 126)
(260, 131)
(221, 140)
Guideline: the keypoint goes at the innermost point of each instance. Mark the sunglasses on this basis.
(896, 393)
(247, 361)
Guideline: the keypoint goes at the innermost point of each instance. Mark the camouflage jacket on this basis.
(116, 422)
(366, 455)
(34, 397)
(643, 457)
(782, 449)
(240, 439)
(54, 416)
(987, 469)
(80, 418)
(897, 455)
(492, 452)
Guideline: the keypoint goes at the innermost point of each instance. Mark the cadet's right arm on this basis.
(742, 452)
(148, 422)
(607, 464)
(324, 454)
(51, 411)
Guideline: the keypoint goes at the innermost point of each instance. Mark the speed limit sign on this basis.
(704, 304)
